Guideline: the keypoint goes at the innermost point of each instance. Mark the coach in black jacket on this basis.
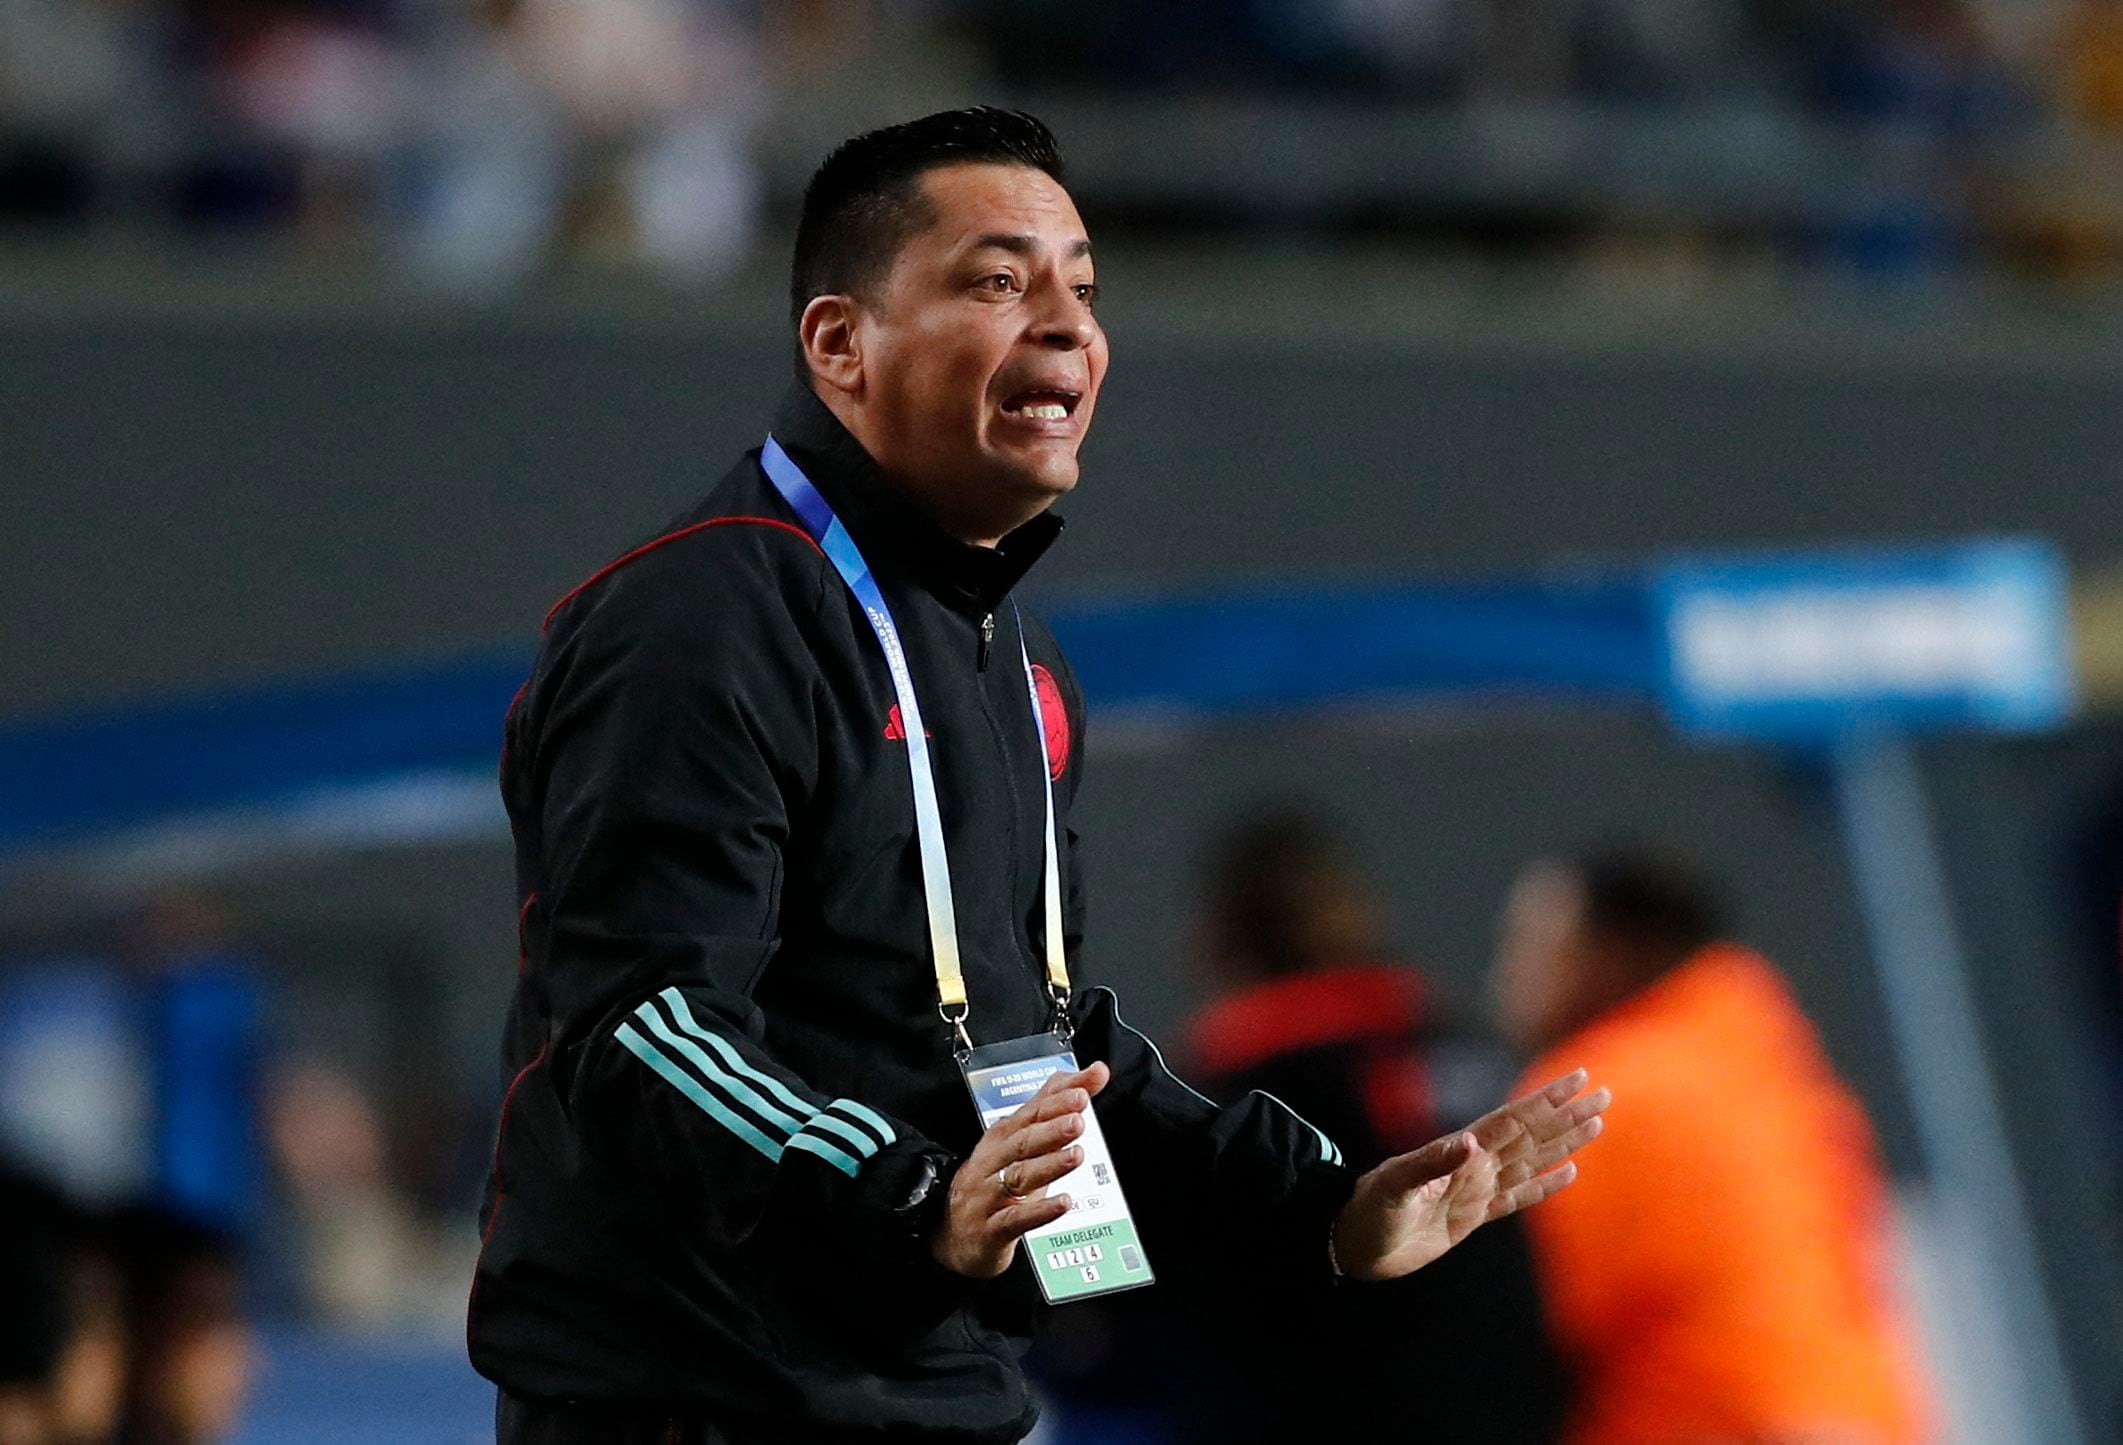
(739, 1190)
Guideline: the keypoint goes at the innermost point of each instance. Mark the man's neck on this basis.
(977, 533)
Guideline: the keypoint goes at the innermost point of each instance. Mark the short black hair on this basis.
(1658, 908)
(865, 202)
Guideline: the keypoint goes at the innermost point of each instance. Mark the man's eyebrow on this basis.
(1016, 244)
(1019, 244)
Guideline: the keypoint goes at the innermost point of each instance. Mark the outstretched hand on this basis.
(1415, 1206)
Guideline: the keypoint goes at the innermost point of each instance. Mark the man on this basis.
(789, 832)
(1754, 1304)
(1309, 1009)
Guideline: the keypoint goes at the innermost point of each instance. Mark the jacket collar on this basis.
(893, 533)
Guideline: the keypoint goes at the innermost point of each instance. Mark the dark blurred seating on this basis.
(480, 142)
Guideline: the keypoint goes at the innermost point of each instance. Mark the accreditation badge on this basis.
(1093, 1249)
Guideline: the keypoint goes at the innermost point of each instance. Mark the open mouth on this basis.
(1042, 404)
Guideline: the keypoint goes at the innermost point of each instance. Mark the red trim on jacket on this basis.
(502, 770)
(501, 1129)
(523, 948)
(647, 547)
(1308, 1010)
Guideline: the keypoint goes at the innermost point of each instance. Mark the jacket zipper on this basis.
(1016, 818)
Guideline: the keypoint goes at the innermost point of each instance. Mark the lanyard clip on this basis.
(1064, 1026)
(957, 1022)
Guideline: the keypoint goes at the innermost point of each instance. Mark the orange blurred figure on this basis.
(1721, 1269)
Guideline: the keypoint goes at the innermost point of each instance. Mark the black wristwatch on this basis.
(926, 1195)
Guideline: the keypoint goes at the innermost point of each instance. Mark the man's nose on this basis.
(1064, 321)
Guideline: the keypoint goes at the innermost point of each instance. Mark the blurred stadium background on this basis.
(339, 337)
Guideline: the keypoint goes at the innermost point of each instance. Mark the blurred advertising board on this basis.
(1800, 647)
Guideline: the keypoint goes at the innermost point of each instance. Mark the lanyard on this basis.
(840, 549)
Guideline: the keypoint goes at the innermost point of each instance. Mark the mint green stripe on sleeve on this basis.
(826, 1152)
(864, 1144)
(1328, 1151)
(687, 1085)
(871, 1117)
(682, 1013)
(738, 1089)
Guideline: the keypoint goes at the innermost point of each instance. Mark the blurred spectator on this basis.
(483, 141)
(133, 1075)
(202, 1019)
(1929, 81)
(143, 1076)
(366, 1255)
(75, 1096)
(34, 1316)
(190, 1352)
(75, 76)
(1314, 1013)
(622, 123)
(128, 1329)
(62, 1333)
(1709, 1278)
(89, 1388)
(2072, 211)
(2093, 64)
(305, 100)
(1309, 1004)
(1652, 50)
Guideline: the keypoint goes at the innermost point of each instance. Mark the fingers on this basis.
(1041, 1139)
(1090, 1081)
(1563, 1090)
(1532, 1192)
(1063, 1098)
(1583, 1108)
(1548, 1155)
(1028, 1178)
(1523, 1111)
(1062, 1094)
(1015, 1221)
(1048, 1104)
(1035, 1146)
(1528, 1124)
(1433, 1161)
(1525, 1140)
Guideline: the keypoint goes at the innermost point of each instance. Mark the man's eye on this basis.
(1000, 281)
(1086, 293)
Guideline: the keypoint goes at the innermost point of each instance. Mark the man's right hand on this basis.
(997, 1195)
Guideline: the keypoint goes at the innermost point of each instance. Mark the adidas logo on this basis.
(896, 730)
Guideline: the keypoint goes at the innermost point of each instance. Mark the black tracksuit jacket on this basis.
(727, 1082)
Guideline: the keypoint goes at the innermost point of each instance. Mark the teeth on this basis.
(1047, 411)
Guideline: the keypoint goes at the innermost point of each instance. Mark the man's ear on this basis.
(830, 344)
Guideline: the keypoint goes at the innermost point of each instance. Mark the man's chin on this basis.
(1043, 478)
(1010, 491)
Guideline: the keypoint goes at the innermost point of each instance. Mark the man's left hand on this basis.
(1415, 1206)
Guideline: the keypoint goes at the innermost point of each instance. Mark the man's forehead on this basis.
(1013, 208)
